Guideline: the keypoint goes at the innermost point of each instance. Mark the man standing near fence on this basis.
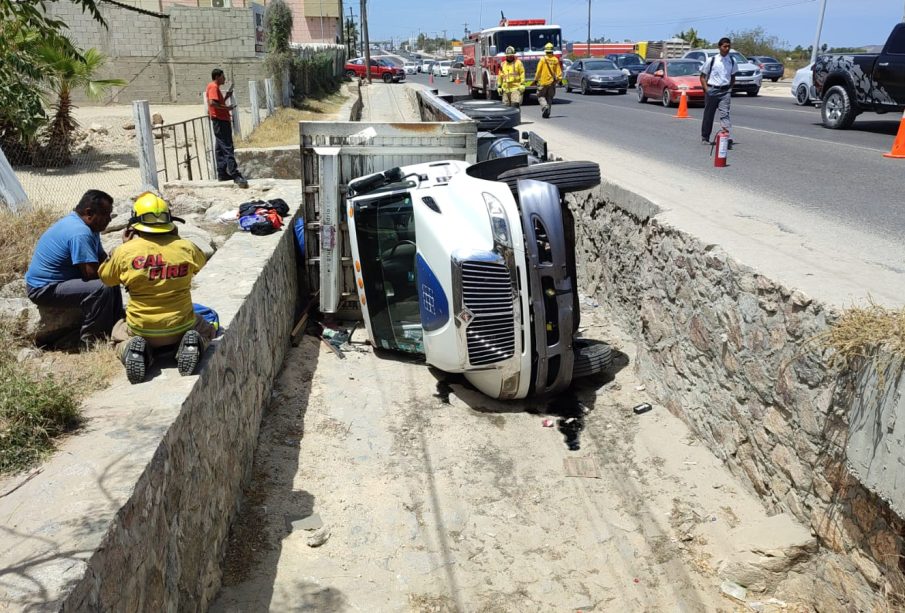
(219, 111)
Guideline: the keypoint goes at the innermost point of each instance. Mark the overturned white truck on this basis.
(470, 264)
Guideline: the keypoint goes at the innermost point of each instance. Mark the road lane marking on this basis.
(734, 126)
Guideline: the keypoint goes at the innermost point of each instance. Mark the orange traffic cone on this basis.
(898, 145)
(458, 81)
(682, 113)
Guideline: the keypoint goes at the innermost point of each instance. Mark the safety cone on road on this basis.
(898, 145)
(682, 113)
(458, 80)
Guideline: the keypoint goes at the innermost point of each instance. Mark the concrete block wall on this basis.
(167, 60)
(730, 352)
(133, 514)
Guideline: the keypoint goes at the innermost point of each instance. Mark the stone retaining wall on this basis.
(731, 353)
(132, 514)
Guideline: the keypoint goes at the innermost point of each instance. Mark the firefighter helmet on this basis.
(510, 50)
(548, 48)
(151, 214)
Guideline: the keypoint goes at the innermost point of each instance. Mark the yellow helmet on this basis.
(151, 214)
(548, 48)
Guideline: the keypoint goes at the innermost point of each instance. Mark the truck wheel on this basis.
(837, 110)
(387, 77)
(801, 95)
(350, 74)
(567, 176)
(591, 358)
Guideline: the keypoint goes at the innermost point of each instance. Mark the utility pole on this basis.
(365, 41)
(465, 27)
(589, 27)
(819, 29)
(350, 41)
(445, 54)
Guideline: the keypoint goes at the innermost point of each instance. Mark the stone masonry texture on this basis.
(736, 356)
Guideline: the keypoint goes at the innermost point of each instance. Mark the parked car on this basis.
(803, 86)
(853, 84)
(457, 70)
(631, 65)
(410, 68)
(748, 79)
(590, 75)
(426, 65)
(441, 69)
(380, 69)
(770, 67)
(566, 62)
(665, 80)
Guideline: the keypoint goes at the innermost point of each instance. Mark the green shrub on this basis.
(313, 78)
(33, 410)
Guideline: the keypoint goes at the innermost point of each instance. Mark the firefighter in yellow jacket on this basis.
(549, 73)
(511, 79)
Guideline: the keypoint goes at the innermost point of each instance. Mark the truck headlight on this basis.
(499, 223)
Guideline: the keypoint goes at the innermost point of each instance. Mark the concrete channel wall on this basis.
(735, 356)
(133, 513)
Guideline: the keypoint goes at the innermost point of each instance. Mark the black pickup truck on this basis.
(849, 85)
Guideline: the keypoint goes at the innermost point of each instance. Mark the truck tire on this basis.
(350, 74)
(387, 77)
(567, 176)
(491, 116)
(837, 110)
(801, 95)
(591, 358)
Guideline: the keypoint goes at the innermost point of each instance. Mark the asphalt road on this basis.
(781, 152)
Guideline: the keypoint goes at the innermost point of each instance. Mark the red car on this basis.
(665, 80)
(380, 69)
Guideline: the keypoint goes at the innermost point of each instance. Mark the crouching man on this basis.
(156, 267)
(63, 269)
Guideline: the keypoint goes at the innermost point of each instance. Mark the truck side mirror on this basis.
(492, 49)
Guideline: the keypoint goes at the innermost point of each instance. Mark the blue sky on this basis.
(847, 23)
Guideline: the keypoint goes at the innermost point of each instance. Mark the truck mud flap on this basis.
(552, 288)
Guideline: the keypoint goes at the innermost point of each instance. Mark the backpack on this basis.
(209, 315)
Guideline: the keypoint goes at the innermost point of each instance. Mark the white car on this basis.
(441, 69)
(803, 86)
(426, 65)
(748, 79)
(410, 67)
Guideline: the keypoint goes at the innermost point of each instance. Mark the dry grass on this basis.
(20, 233)
(282, 127)
(863, 332)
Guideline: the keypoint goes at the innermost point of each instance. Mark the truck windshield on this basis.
(517, 39)
(385, 232)
(539, 38)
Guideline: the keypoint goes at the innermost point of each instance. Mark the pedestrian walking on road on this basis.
(221, 120)
(549, 73)
(511, 79)
(717, 79)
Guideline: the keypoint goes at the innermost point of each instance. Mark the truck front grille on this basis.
(487, 292)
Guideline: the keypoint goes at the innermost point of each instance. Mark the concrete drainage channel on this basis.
(713, 342)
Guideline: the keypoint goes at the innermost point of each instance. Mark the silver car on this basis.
(593, 75)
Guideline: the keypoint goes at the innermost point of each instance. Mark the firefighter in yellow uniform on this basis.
(156, 267)
(511, 79)
(549, 73)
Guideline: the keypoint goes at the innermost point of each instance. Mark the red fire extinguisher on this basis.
(721, 145)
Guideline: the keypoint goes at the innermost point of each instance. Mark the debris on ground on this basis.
(644, 407)
(734, 591)
(318, 538)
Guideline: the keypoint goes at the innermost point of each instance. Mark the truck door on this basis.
(889, 71)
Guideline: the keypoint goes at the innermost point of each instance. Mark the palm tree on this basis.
(66, 72)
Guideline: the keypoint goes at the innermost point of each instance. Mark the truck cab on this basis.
(470, 272)
(851, 84)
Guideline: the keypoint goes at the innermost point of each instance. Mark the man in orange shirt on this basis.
(219, 111)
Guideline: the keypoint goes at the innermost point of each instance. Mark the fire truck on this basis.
(484, 51)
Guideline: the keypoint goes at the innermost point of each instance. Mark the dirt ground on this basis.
(434, 498)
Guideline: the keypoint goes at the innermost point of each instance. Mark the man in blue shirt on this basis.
(63, 269)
